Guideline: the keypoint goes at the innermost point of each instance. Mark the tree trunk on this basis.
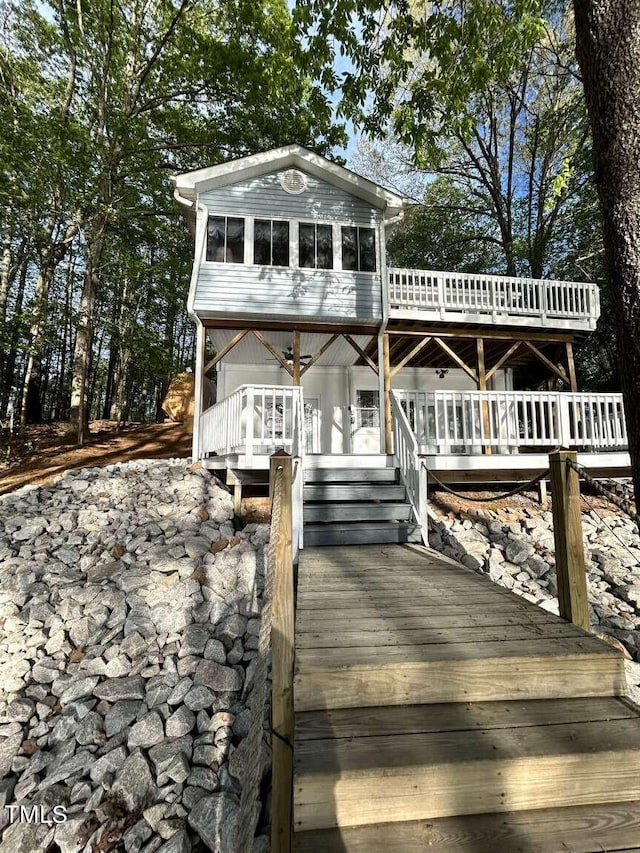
(608, 51)
(82, 351)
(9, 364)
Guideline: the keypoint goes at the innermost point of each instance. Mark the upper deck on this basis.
(492, 299)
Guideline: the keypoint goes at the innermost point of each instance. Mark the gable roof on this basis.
(189, 184)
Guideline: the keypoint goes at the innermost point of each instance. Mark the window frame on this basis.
(315, 224)
(358, 229)
(252, 250)
(226, 217)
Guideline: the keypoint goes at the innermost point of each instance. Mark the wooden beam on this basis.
(221, 354)
(503, 359)
(296, 357)
(567, 530)
(482, 386)
(542, 337)
(416, 349)
(554, 368)
(361, 352)
(456, 358)
(274, 352)
(325, 346)
(386, 373)
(282, 659)
(571, 365)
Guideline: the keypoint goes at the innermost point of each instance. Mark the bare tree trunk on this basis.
(608, 51)
(31, 409)
(82, 351)
(9, 371)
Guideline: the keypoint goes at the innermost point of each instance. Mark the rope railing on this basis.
(518, 489)
(254, 768)
(622, 503)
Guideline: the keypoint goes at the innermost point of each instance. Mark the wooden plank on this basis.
(282, 656)
(463, 716)
(412, 352)
(503, 359)
(554, 368)
(366, 598)
(318, 354)
(221, 353)
(456, 358)
(321, 623)
(423, 636)
(579, 829)
(569, 547)
(496, 334)
(571, 367)
(470, 680)
(274, 352)
(309, 660)
(439, 775)
(356, 346)
(296, 357)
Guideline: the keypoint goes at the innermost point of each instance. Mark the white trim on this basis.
(197, 390)
(189, 184)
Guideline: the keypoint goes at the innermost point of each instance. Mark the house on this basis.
(370, 375)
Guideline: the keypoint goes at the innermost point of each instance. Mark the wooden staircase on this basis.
(357, 505)
(435, 710)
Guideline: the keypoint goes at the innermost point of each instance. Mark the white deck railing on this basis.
(446, 293)
(406, 450)
(255, 419)
(467, 421)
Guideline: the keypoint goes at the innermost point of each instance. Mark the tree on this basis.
(608, 51)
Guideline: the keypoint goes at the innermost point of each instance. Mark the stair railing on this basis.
(405, 448)
(298, 446)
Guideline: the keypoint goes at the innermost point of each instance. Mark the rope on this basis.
(518, 489)
(249, 805)
(610, 529)
(622, 503)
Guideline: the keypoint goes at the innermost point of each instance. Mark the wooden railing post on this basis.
(282, 657)
(567, 531)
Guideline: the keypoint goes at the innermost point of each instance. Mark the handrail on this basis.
(444, 292)
(406, 451)
(462, 421)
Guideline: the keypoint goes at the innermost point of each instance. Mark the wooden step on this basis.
(353, 492)
(422, 763)
(360, 533)
(577, 829)
(357, 512)
(401, 674)
(350, 475)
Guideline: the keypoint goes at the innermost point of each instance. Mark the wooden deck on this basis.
(435, 710)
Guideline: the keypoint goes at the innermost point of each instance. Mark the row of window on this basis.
(272, 244)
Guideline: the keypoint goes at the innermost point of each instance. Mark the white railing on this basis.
(470, 293)
(406, 450)
(467, 421)
(254, 419)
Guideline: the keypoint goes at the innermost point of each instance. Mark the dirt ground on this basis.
(47, 450)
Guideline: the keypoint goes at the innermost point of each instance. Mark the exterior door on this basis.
(365, 423)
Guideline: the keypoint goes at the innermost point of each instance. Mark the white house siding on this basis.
(262, 292)
(249, 291)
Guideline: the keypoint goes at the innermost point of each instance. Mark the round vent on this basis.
(294, 182)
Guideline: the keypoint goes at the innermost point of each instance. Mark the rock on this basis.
(216, 677)
(215, 819)
(148, 732)
(114, 689)
(8, 750)
(180, 723)
(133, 784)
(178, 843)
(518, 550)
(203, 777)
(120, 715)
(78, 688)
(199, 698)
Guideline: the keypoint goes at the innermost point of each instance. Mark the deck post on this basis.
(482, 386)
(386, 375)
(296, 357)
(567, 531)
(282, 657)
(571, 367)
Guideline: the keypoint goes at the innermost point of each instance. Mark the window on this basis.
(316, 246)
(225, 239)
(358, 249)
(271, 243)
(367, 409)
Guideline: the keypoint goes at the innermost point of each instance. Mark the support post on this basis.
(571, 367)
(482, 386)
(282, 657)
(567, 531)
(237, 499)
(296, 358)
(386, 375)
(201, 342)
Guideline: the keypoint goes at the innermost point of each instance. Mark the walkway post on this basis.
(282, 654)
(567, 531)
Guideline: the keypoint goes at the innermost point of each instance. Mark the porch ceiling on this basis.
(250, 351)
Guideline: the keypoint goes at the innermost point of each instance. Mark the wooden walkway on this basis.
(435, 710)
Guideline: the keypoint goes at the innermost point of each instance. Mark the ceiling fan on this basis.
(287, 355)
